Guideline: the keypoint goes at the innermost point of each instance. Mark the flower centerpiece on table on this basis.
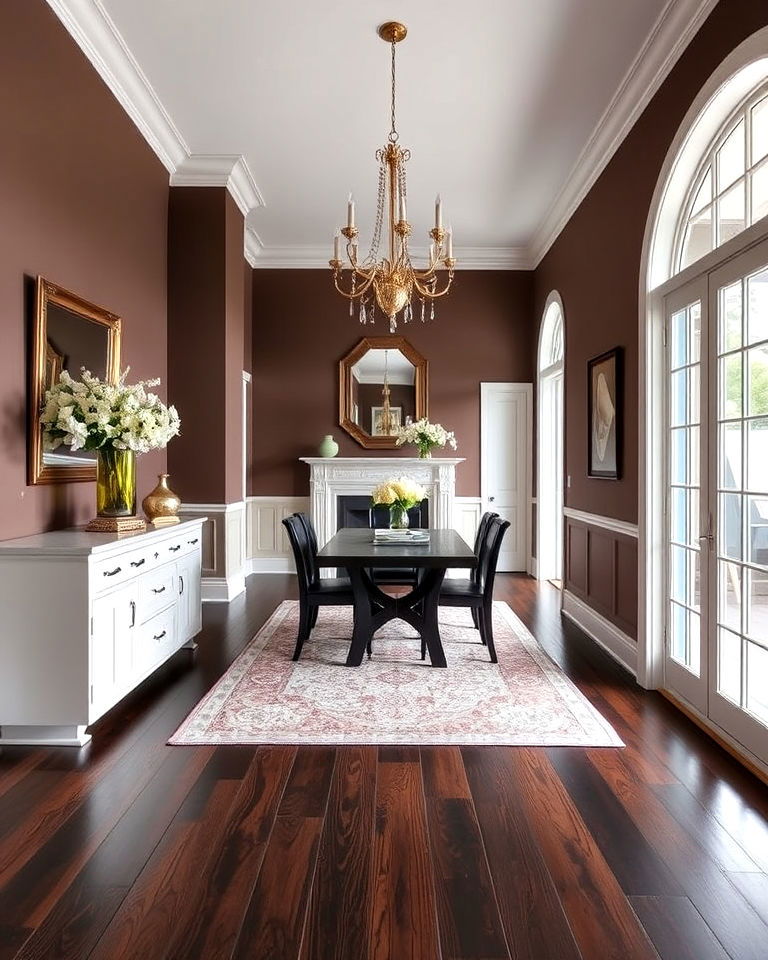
(117, 420)
(426, 436)
(400, 494)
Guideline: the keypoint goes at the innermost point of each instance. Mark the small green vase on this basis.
(328, 446)
(398, 517)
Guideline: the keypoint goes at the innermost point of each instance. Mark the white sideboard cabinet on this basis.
(84, 618)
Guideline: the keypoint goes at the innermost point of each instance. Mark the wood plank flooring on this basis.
(133, 849)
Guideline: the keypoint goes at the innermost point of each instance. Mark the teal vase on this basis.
(328, 446)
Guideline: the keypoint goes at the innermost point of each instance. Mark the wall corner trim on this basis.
(613, 640)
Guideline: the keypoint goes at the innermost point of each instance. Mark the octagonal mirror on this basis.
(382, 386)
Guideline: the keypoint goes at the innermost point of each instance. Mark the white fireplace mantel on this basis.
(334, 477)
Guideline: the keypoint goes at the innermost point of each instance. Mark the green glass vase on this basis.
(398, 517)
(115, 482)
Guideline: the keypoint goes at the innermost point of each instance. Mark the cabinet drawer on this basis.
(180, 546)
(157, 589)
(155, 641)
(108, 573)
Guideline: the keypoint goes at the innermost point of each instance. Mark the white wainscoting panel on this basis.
(267, 547)
(223, 554)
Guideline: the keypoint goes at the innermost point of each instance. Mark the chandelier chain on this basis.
(394, 136)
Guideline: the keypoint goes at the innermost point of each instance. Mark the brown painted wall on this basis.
(301, 328)
(84, 203)
(206, 328)
(595, 262)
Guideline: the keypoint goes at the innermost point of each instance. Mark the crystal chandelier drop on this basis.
(392, 282)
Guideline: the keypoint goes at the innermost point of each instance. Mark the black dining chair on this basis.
(314, 591)
(476, 592)
(378, 516)
(475, 571)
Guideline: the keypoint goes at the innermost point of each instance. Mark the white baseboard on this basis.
(269, 565)
(620, 646)
(221, 589)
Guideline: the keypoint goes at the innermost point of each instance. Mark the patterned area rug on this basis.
(395, 698)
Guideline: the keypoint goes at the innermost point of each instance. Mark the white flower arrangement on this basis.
(400, 492)
(87, 414)
(425, 436)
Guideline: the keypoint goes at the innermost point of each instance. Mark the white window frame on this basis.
(740, 75)
(552, 316)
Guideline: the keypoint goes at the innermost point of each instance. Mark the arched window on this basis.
(730, 189)
(551, 351)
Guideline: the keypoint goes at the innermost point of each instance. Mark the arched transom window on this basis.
(551, 352)
(730, 190)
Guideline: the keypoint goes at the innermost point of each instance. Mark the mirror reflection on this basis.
(382, 387)
(70, 333)
(383, 392)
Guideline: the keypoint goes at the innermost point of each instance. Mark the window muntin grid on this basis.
(730, 190)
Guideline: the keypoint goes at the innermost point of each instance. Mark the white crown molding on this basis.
(215, 170)
(91, 27)
(673, 31)
(95, 33)
(317, 257)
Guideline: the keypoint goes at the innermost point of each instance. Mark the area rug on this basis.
(395, 697)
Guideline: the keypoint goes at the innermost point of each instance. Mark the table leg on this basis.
(362, 631)
(430, 631)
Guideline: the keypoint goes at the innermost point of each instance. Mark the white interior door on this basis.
(505, 455)
(549, 543)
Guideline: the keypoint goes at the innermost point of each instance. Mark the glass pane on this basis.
(757, 394)
(694, 391)
(730, 157)
(694, 332)
(757, 455)
(678, 632)
(757, 298)
(757, 534)
(678, 339)
(677, 398)
(760, 129)
(759, 192)
(757, 682)
(730, 317)
(730, 388)
(729, 542)
(730, 456)
(704, 193)
(679, 459)
(693, 518)
(729, 665)
(693, 456)
(678, 568)
(698, 238)
(679, 515)
(729, 576)
(757, 605)
(731, 220)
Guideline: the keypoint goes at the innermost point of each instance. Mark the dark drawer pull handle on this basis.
(159, 636)
(133, 613)
(174, 549)
(181, 585)
(192, 542)
(138, 563)
(158, 589)
(111, 573)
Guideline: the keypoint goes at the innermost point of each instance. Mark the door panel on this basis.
(505, 410)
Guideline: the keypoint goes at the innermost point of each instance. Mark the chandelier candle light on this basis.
(394, 279)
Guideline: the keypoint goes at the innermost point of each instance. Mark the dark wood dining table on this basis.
(354, 549)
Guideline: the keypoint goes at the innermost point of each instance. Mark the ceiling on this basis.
(508, 113)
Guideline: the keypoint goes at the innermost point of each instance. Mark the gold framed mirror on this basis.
(68, 333)
(383, 384)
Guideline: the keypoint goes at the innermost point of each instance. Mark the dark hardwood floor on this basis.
(132, 849)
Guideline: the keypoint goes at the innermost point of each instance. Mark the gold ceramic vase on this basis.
(161, 506)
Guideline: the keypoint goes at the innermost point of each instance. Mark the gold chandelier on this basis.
(393, 279)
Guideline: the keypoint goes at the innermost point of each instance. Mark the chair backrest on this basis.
(489, 554)
(309, 530)
(301, 551)
(480, 539)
